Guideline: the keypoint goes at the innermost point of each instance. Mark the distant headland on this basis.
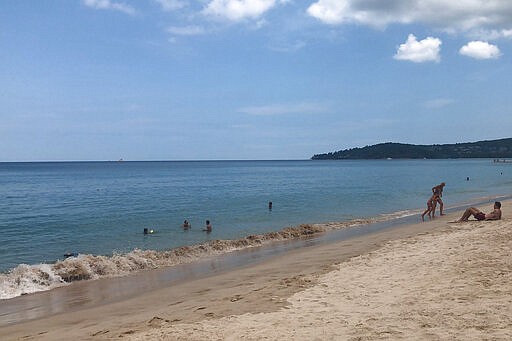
(497, 149)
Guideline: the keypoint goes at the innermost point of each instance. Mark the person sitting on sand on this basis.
(479, 215)
(431, 207)
(438, 190)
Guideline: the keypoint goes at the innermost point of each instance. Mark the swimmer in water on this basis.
(208, 227)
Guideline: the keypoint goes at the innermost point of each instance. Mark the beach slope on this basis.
(448, 285)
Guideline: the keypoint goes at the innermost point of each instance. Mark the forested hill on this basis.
(483, 149)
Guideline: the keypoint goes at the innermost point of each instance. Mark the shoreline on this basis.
(39, 278)
(257, 288)
(30, 279)
(260, 248)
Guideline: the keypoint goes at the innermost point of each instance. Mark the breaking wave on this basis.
(25, 279)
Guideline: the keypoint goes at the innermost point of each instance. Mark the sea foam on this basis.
(25, 279)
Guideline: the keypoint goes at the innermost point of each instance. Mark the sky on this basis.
(248, 79)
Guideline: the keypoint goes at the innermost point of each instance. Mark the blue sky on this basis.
(248, 79)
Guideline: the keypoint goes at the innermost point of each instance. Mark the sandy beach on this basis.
(427, 281)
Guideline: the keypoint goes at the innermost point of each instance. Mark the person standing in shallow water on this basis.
(431, 207)
(208, 228)
(186, 225)
(438, 192)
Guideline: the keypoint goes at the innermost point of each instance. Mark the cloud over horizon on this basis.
(283, 109)
(426, 50)
(438, 103)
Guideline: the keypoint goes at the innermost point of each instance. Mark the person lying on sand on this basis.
(475, 212)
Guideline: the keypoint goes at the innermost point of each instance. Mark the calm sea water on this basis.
(101, 208)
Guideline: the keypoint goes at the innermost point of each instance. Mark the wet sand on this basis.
(430, 280)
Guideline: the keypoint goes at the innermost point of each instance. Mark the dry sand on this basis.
(430, 281)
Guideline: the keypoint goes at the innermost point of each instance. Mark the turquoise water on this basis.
(101, 208)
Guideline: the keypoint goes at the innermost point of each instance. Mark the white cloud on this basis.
(485, 34)
(330, 11)
(110, 5)
(282, 109)
(237, 10)
(172, 5)
(426, 50)
(459, 16)
(480, 50)
(288, 46)
(186, 30)
(438, 103)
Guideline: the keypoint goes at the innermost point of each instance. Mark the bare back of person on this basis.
(438, 192)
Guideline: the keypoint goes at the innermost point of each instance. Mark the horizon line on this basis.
(158, 160)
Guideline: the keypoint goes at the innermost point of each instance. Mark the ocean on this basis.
(99, 210)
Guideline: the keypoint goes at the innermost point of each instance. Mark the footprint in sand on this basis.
(100, 332)
(236, 298)
(32, 336)
(157, 321)
(174, 303)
